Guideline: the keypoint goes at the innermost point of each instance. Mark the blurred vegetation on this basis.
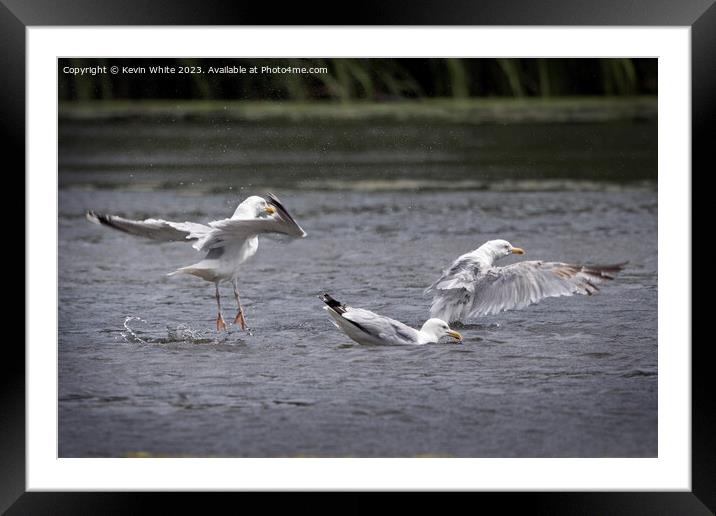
(365, 79)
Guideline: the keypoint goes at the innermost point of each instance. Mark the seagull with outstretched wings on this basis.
(474, 286)
(227, 243)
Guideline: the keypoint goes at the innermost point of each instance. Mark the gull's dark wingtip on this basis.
(92, 217)
(296, 231)
(100, 218)
(104, 220)
(608, 272)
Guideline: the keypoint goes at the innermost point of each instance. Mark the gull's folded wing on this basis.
(381, 327)
(224, 232)
(156, 229)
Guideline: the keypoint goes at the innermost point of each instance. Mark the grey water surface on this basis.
(143, 372)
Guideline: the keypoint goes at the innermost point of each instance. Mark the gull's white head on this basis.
(497, 249)
(254, 207)
(435, 329)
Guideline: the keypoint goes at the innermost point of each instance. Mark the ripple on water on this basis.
(295, 402)
(638, 372)
(596, 354)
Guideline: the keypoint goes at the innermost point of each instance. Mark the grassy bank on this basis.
(464, 111)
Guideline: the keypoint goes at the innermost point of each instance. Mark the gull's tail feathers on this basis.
(335, 310)
(200, 270)
(333, 304)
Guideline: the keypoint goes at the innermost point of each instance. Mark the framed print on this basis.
(380, 190)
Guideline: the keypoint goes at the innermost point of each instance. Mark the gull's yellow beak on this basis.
(455, 335)
(270, 209)
(518, 250)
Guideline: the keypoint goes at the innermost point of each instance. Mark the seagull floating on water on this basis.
(473, 286)
(228, 242)
(366, 327)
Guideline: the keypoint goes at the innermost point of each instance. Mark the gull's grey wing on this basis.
(381, 327)
(521, 284)
(462, 274)
(156, 229)
(453, 291)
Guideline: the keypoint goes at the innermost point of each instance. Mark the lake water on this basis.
(143, 372)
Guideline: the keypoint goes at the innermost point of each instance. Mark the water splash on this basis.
(182, 333)
(130, 335)
(185, 333)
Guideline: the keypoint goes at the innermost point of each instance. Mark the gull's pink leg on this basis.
(240, 314)
(220, 323)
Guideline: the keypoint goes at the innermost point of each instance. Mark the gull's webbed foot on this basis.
(220, 323)
(240, 319)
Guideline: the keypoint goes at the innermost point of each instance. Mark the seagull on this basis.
(227, 243)
(366, 327)
(473, 286)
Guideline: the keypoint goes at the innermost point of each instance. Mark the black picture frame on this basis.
(17, 15)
